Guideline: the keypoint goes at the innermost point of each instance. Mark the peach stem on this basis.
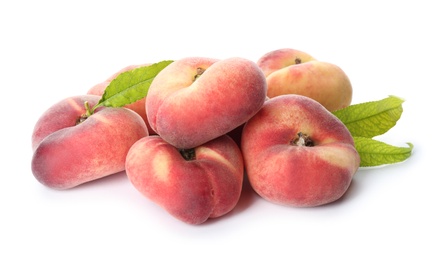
(85, 116)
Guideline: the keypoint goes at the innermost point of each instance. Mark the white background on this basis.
(54, 49)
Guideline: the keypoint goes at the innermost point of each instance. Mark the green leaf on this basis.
(131, 85)
(371, 119)
(376, 153)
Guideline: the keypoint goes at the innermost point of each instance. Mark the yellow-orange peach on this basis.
(193, 185)
(70, 150)
(194, 100)
(297, 153)
(290, 71)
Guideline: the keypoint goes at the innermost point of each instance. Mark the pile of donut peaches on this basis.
(204, 128)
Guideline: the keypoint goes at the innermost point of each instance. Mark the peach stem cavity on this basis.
(188, 154)
(302, 140)
(199, 73)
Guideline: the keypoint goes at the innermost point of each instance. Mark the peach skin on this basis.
(290, 71)
(194, 100)
(297, 153)
(193, 185)
(70, 149)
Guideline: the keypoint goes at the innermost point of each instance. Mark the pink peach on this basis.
(70, 149)
(297, 153)
(194, 100)
(193, 185)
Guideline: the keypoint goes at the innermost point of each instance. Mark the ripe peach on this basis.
(290, 71)
(193, 185)
(297, 153)
(194, 100)
(70, 149)
(138, 106)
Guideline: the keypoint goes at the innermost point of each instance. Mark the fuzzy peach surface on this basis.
(324, 82)
(188, 113)
(298, 175)
(192, 191)
(67, 155)
(60, 115)
(290, 71)
(281, 58)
